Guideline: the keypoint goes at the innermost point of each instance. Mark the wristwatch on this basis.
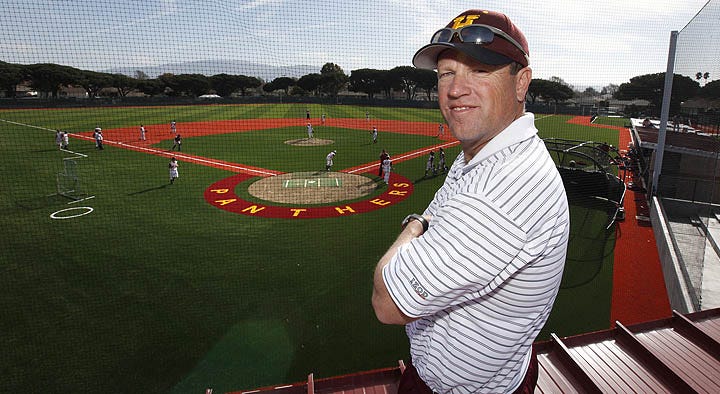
(419, 218)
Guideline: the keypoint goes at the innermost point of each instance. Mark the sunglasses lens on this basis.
(476, 35)
(442, 35)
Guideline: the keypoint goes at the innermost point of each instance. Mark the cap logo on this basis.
(464, 20)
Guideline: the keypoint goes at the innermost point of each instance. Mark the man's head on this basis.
(481, 60)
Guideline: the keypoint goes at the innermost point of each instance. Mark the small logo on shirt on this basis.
(418, 288)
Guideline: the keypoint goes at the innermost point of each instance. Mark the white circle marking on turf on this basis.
(54, 215)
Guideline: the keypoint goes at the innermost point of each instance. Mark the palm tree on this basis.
(699, 75)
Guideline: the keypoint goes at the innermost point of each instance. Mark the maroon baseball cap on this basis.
(487, 36)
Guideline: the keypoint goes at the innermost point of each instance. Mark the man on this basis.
(142, 132)
(310, 131)
(98, 138)
(177, 142)
(58, 138)
(374, 134)
(441, 160)
(474, 278)
(65, 140)
(430, 165)
(386, 167)
(383, 155)
(173, 168)
(329, 160)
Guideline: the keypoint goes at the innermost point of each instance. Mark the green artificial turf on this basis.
(156, 290)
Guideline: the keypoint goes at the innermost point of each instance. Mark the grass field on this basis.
(156, 290)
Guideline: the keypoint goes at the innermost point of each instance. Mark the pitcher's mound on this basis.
(319, 187)
(309, 142)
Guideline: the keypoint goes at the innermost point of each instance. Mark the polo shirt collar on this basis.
(518, 131)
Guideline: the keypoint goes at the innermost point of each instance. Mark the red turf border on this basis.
(221, 195)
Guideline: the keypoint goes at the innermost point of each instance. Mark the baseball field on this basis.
(253, 268)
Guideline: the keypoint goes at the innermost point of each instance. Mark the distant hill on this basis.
(213, 67)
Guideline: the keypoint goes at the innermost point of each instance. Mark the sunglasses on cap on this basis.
(474, 34)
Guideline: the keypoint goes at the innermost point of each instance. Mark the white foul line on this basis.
(154, 151)
(407, 156)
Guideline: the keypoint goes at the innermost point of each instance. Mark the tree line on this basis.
(49, 79)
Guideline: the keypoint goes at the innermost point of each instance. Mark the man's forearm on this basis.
(385, 309)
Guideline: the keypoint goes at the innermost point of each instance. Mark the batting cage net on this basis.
(238, 168)
(590, 172)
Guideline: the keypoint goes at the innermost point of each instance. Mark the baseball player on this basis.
(374, 134)
(142, 133)
(441, 163)
(58, 138)
(386, 167)
(430, 167)
(441, 130)
(177, 142)
(173, 127)
(173, 167)
(383, 155)
(65, 140)
(311, 134)
(98, 138)
(329, 160)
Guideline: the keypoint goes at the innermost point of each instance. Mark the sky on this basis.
(585, 43)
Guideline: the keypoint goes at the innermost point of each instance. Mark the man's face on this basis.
(478, 100)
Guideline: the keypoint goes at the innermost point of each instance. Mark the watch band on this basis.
(419, 218)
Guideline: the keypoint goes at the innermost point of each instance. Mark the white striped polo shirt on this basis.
(484, 277)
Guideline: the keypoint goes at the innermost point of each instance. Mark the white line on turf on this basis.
(406, 156)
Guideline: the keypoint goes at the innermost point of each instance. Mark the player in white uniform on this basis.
(329, 160)
(58, 138)
(65, 140)
(374, 134)
(430, 167)
(311, 134)
(441, 163)
(173, 167)
(98, 138)
(386, 167)
(173, 127)
(142, 133)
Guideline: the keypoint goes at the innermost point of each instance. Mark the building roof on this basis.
(687, 140)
